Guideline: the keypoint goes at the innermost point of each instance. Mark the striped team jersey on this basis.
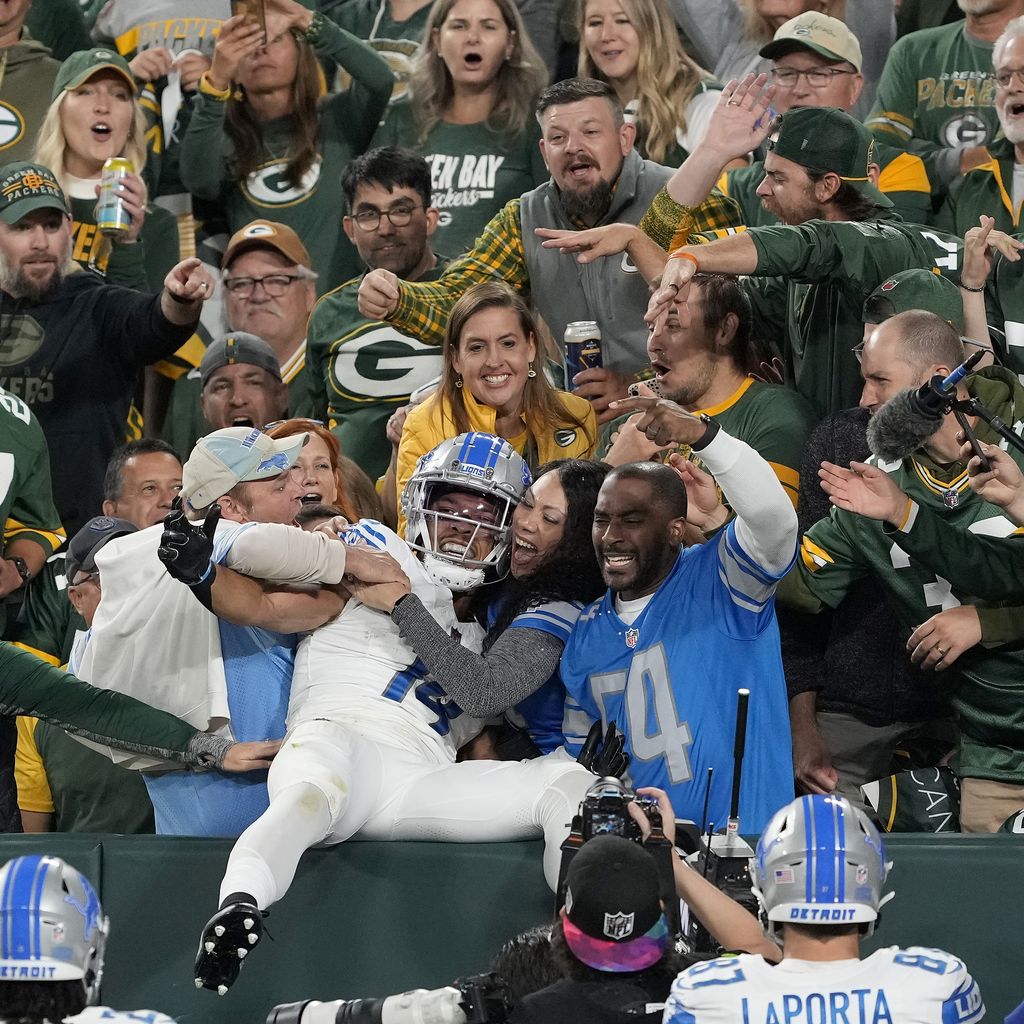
(891, 986)
(669, 682)
(541, 713)
(100, 1014)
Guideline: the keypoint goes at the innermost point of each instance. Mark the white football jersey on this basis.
(98, 1014)
(357, 669)
(891, 986)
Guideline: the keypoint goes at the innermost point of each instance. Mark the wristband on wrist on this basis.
(968, 288)
(682, 254)
(316, 23)
(207, 88)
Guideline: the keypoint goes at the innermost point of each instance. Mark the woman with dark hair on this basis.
(263, 143)
(475, 83)
(489, 383)
(553, 573)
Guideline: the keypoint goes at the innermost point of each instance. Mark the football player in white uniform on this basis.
(52, 940)
(372, 738)
(818, 874)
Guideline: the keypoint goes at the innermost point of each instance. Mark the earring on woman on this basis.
(458, 380)
(531, 372)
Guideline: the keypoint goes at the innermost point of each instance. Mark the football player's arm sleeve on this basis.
(519, 663)
(765, 525)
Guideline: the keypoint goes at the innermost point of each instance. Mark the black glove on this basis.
(607, 757)
(186, 549)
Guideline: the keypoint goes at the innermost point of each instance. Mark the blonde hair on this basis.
(520, 79)
(51, 144)
(666, 78)
(761, 30)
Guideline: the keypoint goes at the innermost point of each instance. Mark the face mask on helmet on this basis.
(458, 506)
(52, 927)
(819, 861)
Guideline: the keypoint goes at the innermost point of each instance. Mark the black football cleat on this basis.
(228, 938)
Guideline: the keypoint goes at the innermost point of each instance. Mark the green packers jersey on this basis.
(1005, 301)
(936, 97)
(986, 685)
(361, 371)
(474, 171)
(903, 179)
(983, 190)
(47, 622)
(26, 499)
(395, 41)
(810, 285)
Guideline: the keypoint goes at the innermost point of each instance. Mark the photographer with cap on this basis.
(612, 940)
(74, 345)
(818, 874)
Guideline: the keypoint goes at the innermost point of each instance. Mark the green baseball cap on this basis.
(25, 187)
(916, 289)
(829, 139)
(81, 66)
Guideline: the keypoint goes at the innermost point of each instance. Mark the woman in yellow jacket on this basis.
(489, 383)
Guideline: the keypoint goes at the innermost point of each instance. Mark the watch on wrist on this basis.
(23, 570)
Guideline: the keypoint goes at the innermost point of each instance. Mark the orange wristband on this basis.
(680, 255)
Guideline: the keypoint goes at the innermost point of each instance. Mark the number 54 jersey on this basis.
(669, 681)
(891, 986)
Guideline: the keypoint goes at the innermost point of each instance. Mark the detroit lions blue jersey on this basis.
(891, 986)
(669, 682)
(541, 713)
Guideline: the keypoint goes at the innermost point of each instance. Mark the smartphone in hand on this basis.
(253, 11)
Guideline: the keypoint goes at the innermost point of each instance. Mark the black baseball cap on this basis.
(613, 917)
(98, 531)
(238, 347)
(829, 139)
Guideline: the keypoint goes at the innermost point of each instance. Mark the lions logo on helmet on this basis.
(820, 860)
(476, 462)
(52, 927)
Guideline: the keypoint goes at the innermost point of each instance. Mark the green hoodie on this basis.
(27, 72)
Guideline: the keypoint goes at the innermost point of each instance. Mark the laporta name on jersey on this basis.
(858, 1006)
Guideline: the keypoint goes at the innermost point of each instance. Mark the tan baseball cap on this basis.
(235, 455)
(267, 234)
(820, 34)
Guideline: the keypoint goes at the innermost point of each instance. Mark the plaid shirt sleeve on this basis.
(672, 225)
(423, 306)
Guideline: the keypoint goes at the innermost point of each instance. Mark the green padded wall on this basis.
(366, 919)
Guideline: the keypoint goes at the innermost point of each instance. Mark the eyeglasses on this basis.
(92, 577)
(400, 216)
(275, 285)
(817, 78)
(1004, 78)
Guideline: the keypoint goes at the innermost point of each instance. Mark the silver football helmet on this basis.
(820, 860)
(52, 926)
(476, 462)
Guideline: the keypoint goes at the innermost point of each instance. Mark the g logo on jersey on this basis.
(269, 185)
(382, 364)
(12, 125)
(22, 338)
(967, 130)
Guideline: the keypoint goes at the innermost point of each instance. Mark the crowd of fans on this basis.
(355, 235)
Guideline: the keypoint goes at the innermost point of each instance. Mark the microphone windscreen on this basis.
(900, 427)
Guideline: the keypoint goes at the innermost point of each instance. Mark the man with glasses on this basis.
(269, 290)
(361, 370)
(996, 187)
(816, 62)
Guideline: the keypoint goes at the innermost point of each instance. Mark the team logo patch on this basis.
(862, 874)
(632, 637)
(12, 125)
(618, 926)
(277, 461)
(259, 231)
(968, 130)
(564, 438)
(270, 186)
(889, 285)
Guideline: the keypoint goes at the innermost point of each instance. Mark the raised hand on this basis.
(378, 294)
(937, 643)
(186, 549)
(865, 490)
(604, 755)
(663, 422)
(743, 118)
(981, 246)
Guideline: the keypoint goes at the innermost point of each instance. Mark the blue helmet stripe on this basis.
(806, 806)
(840, 865)
(17, 898)
(467, 447)
(35, 917)
(5, 931)
(824, 851)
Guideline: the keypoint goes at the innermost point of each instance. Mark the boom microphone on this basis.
(907, 420)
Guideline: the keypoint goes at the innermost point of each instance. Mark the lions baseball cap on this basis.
(25, 187)
(238, 347)
(829, 139)
(267, 234)
(828, 37)
(81, 66)
(613, 918)
(915, 289)
(232, 456)
(98, 531)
